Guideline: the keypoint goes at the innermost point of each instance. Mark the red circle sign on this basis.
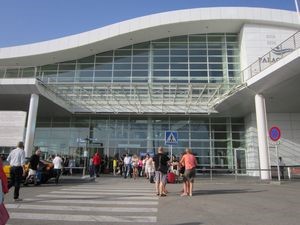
(274, 133)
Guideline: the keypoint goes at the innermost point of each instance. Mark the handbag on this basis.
(4, 216)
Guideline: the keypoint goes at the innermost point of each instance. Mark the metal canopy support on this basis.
(139, 97)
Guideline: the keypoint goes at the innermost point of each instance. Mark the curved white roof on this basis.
(156, 26)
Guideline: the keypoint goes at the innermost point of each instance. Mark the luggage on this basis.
(151, 179)
(171, 177)
(91, 171)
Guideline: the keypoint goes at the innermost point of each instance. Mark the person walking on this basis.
(91, 168)
(140, 167)
(134, 165)
(3, 190)
(71, 165)
(189, 161)
(57, 162)
(16, 159)
(121, 165)
(33, 166)
(281, 167)
(148, 166)
(97, 163)
(127, 166)
(161, 169)
(4, 183)
(115, 164)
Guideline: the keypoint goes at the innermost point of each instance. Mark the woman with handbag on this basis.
(3, 190)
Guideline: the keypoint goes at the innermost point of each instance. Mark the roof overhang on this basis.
(117, 98)
(182, 22)
(140, 98)
(18, 91)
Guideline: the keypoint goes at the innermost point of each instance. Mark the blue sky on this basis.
(28, 21)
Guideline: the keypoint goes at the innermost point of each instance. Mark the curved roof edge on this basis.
(151, 27)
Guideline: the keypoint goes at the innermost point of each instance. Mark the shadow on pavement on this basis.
(222, 192)
(196, 223)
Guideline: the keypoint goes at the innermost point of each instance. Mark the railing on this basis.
(18, 72)
(279, 52)
(11, 72)
(290, 173)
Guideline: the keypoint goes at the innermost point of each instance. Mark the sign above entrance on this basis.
(129, 145)
(274, 133)
(171, 138)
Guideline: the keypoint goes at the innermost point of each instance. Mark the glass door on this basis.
(240, 160)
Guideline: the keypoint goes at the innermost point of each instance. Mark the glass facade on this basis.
(213, 140)
(179, 75)
(203, 58)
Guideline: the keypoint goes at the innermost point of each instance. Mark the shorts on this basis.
(160, 177)
(189, 175)
(149, 169)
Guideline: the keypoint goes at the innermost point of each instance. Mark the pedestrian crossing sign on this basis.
(171, 138)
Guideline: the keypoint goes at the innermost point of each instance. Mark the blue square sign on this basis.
(171, 138)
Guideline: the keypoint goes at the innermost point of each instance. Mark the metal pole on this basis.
(84, 159)
(235, 164)
(297, 7)
(278, 170)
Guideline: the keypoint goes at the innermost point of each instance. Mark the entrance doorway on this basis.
(240, 160)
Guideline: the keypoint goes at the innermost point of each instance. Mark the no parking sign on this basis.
(274, 133)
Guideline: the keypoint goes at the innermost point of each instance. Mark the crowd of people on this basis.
(159, 169)
(156, 168)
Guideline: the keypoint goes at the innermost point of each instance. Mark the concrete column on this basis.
(149, 134)
(31, 122)
(261, 120)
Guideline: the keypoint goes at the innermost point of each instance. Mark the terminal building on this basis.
(220, 77)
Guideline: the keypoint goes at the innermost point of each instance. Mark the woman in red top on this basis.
(97, 163)
(3, 179)
(189, 161)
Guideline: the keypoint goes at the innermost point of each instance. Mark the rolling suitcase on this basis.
(171, 177)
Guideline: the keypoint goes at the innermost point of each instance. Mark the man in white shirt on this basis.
(16, 159)
(127, 166)
(57, 162)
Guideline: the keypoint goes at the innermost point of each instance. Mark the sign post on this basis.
(85, 152)
(171, 138)
(275, 135)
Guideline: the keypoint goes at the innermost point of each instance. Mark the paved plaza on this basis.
(114, 200)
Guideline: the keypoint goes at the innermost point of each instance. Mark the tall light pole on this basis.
(297, 7)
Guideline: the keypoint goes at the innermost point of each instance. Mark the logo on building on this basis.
(276, 54)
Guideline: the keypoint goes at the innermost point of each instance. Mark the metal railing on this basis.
(291, 173)
(279, 52)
